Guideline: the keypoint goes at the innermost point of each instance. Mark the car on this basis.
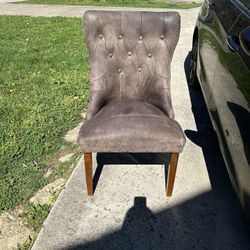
(220, 65)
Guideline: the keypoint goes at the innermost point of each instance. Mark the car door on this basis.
(210, 17)
(207, 56)
(230, 99)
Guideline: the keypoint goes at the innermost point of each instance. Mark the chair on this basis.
(130, 107)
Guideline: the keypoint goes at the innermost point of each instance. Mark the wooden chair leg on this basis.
(89, 173)
(171, 173)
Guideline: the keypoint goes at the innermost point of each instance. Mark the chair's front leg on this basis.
(171, 173)
(88, 172)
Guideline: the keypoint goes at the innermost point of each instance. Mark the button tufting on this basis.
(149, 54)
(120, 36)
(119, 70)
(100, 36)
(162, 37)
(110, 54)
(140, 38)
(139, 69)
(129, 53)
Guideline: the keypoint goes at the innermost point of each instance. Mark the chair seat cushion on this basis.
(131, 126)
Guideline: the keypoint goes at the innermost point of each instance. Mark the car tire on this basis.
(192, 72)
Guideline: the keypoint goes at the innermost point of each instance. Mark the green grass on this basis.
(122, 3)
(36, 215)
(43, 88)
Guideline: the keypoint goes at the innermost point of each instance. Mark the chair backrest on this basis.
(130, 55)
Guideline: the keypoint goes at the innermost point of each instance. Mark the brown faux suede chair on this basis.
(130, 107)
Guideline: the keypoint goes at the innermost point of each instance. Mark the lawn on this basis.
(121, 3)
(43, 89)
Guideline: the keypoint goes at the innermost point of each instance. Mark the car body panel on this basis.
(228, 85)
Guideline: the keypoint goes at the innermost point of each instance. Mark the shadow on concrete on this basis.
(199, 223)
(208, 221)
(129, 159)
(205, 137)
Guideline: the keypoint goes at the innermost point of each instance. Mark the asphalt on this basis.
(129, 209)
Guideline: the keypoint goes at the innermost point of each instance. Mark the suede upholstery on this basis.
(130, 107)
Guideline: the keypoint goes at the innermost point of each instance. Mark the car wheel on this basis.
(192, 75)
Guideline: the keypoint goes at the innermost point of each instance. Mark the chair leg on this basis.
(88, 173)
(171, 173)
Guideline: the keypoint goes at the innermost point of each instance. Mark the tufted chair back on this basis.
(130, 56)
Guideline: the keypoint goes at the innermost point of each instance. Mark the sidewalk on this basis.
(129, 209)
(62, 10)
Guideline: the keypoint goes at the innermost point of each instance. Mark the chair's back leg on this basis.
(171, 173)
(88, 172)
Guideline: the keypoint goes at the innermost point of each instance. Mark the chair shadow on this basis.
(103, 159)
(205, 137)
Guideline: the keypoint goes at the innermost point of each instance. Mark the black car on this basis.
(220, 63)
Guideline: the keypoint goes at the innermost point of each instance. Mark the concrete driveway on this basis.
(129, 209)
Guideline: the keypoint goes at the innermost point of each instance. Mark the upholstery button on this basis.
(100, 36)
(162, 37)
(120, 36)
(140, 38)
(149, 54)
(139, 69)
(110, 54)
(119, 70)
(129, 53)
